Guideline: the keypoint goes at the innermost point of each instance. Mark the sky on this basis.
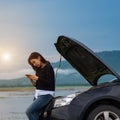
(34, 25)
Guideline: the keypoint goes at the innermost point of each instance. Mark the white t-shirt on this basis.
(43, 92)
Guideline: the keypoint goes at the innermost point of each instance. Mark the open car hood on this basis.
(84, 60)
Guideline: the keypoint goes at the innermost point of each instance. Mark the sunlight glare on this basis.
(6, 57)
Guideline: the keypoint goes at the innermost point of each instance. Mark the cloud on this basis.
(19, 67)
(64, 71)
(21, 73)
(15, 74)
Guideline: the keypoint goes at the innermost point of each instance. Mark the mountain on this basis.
(67, 75)
(111, 58)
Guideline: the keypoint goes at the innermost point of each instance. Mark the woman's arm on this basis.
(33, 79)
(33, 82)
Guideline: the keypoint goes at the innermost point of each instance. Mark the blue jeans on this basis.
(37, 106)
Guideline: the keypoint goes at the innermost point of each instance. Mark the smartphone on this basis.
(27, 75)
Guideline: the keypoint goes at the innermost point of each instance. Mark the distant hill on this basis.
(67, 75)
(112, 58)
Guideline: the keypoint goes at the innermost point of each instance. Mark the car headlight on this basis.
(62, 101)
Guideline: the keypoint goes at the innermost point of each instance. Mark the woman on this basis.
(44, 82)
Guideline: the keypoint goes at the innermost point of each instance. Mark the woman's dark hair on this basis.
(35, 55)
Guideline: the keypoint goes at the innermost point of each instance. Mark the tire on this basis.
(104, 112)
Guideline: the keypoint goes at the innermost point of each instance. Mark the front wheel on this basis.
(104, 112)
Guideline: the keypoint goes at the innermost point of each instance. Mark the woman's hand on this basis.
(32, 77)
